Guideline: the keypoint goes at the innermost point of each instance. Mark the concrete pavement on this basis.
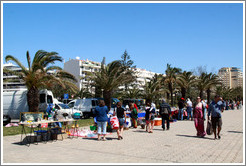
(178, 145)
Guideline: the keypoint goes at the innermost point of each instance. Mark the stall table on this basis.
(32, 124)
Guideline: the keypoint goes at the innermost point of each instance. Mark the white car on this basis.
(64, 108)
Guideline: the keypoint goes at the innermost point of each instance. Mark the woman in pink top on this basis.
(198, 118)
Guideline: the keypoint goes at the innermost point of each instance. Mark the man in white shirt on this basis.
(189, 109)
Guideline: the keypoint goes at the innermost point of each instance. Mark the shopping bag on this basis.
(114, 122)
(44, 125)
(209, 129)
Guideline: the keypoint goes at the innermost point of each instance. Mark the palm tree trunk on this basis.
(183, 91)
(107, 98)
(208, 95)
(201, 94)
(171, 92)
(33, 99)
(171, 97)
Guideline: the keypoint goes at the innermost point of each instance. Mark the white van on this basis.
(15, 102)
(87, 106)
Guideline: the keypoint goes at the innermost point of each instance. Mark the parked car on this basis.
(71, 103)
(113, 101)
(87, 106)
(64, 108)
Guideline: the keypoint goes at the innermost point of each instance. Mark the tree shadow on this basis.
(240, 132)
(194, 136)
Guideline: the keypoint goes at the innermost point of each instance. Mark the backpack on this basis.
(164, 110)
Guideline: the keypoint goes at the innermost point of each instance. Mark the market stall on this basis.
(52, 128)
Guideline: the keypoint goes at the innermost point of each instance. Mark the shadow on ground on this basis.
(193, 136)
(240, 132)
(107, 139)
(140, 131)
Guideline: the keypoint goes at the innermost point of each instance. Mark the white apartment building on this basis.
(15, 83)
(143, 76)
(79, 69)
(231, 77)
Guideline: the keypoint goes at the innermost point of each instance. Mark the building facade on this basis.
(231, 77)
(13, 82)
(80, 68)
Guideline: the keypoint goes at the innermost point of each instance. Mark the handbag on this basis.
(209, 129)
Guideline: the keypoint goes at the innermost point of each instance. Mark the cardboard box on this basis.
(61, 136)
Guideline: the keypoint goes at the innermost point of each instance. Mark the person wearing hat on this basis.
(181, 108)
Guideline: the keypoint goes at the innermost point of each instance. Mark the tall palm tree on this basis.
(202, 82)
(37, 74)
(185, 80)
(171, 78)
(110, 77)
(206, 82)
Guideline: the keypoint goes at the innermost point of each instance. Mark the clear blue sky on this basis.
(184, 35)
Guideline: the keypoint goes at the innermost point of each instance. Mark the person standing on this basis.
(101, 118)
(204, 109)
(149, 117)
(215, 109)
(134, 115)
(121, 115)
(165, 112)
(198, 117)
(189, 109)
(181, 108)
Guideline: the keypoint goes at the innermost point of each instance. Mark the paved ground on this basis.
(178, 145)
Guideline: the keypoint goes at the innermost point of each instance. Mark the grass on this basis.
(7, 131)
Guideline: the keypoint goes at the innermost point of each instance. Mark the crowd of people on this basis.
(197, 111)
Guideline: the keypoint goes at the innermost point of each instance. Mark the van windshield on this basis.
(64, 106)
(42, 98)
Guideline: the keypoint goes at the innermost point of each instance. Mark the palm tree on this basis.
(212, 82)
(132, 93)
(223, 91)
(202, 81)
(37, 74)
(153, 88)
(110, 77)
(206, 82)
(84, 92)
(171, 78)
(185, 80)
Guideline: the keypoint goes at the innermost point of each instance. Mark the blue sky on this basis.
(183, 35)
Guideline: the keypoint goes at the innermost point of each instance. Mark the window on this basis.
(49, 99)
(57, 107)
(93, 102)
(42, 98)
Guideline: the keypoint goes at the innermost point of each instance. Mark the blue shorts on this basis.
(121, 121)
